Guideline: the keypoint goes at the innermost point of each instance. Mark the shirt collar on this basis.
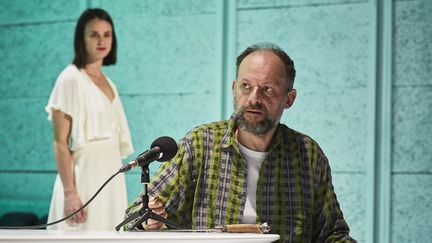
(229, 138)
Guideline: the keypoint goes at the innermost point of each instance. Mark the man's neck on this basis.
(255, 142)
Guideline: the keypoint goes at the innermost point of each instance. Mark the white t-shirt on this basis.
(253, 160)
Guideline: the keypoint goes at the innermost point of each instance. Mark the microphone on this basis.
(162, 149)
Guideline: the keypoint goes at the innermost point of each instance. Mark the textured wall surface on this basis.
(411, 208)
(169, 77)
(35, 44)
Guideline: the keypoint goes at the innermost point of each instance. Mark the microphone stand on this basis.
(145, 213)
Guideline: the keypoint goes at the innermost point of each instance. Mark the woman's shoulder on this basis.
(70, 71)
(71, 74)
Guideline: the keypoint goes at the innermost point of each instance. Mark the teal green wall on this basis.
(363, 84)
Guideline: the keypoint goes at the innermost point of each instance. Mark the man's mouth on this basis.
(259, 112)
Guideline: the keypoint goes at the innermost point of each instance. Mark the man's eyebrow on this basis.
(244, 79)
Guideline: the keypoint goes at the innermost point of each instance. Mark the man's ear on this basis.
(233, 87)
(290, 98)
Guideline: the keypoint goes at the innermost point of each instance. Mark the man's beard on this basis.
(255, 128)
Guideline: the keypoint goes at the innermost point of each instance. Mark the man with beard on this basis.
(251, 168)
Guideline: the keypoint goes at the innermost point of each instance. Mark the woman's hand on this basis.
(72, 203)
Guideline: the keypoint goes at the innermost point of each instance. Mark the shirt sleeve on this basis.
(331, 225)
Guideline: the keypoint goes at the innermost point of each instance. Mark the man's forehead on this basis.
(262, 59)
(262, 64)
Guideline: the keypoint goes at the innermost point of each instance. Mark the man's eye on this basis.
(268, 89)
(244, 86)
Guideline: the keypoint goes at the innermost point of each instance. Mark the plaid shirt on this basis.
(205, 185)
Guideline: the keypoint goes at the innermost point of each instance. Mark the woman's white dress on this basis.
(99, 139)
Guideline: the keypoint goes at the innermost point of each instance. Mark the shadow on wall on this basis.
(22, 219)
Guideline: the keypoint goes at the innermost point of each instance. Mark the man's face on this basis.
(260, 92)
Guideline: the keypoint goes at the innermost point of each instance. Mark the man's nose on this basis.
(255, 96)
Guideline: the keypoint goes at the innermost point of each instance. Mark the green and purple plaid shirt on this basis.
(205, 185)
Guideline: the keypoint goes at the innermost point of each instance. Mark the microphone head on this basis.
(168, 147)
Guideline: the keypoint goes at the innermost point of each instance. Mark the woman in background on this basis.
(91, 134)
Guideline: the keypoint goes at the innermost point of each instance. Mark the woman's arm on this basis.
(62, 127)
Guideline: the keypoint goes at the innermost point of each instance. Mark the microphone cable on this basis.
(165, 146)
(42, 226)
